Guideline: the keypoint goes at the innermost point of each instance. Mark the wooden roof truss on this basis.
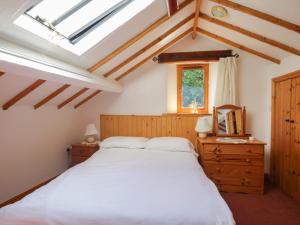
(194, 30)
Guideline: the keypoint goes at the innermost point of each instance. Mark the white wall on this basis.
(33, 145)
(151, 89)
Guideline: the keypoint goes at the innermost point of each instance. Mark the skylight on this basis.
(78, 25)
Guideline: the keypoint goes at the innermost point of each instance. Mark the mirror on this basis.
(229, 120)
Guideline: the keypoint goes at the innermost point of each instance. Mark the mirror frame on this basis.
(215, 120)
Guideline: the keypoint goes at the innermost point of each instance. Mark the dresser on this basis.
(233, 167)
(81, 152)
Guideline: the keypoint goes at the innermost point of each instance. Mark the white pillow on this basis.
(124, 142)
(173, 144)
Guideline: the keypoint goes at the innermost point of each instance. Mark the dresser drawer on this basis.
(234, 149)
(241, 189)
(216, 169)
(233, 159)
(238, 181)
(85, 152)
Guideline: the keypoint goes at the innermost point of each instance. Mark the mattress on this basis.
(125, 187)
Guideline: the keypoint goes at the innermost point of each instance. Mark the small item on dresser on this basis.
(231, 140)
(251, 138)
(203, 126)
(91, 133)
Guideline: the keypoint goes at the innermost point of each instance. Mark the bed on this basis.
(121, 185)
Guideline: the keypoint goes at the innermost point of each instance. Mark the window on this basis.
(192, 88)
(78, 25)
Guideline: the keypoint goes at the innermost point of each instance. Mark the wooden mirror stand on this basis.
(229, 121)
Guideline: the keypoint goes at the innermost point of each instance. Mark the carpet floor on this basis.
(272, 208)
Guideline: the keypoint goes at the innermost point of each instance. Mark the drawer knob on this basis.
(248, 160)
(215, 150)
(246, 181)
(218, 170)
(248, 171)
(249, 151)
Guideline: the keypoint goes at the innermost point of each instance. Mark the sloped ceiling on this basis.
(10, 84)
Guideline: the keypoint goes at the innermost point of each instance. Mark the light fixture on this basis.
(219, 11)
(203, 126)
(91, 133)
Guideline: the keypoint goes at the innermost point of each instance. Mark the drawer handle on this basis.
(245, 180)
(217, 150)
(218, 170)
(248, 160)
(248, 171)
(218, 159)
(249, 151)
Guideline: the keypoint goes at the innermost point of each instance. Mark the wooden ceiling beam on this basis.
(239, 46)
(77, 94)
(197, 10)
(193, 56)
(22, 94)
(87, 98)
(172, 7)
(261, 15)
(51, 96)
(150, 45)
(135, 38)
(165, 47)
(250, 34)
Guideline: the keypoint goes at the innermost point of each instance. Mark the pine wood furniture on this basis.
(81, 152)
(233, 167)
(285, 146)
(233, 123)
(174, 125)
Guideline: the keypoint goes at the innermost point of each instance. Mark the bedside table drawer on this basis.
(78, 159)
(212, 169)
(84, 152)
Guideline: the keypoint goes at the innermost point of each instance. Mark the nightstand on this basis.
(81, 152)
(233, 167)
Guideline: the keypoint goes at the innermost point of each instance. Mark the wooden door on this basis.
(295, 139)
(280, 162)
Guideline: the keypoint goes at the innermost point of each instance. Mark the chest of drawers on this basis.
(233, 167)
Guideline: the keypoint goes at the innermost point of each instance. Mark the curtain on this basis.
(226, 91)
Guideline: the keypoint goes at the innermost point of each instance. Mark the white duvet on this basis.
(125, 187)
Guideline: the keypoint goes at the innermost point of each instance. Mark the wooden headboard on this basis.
(176, 125)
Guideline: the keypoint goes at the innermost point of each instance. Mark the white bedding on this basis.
(125, 187)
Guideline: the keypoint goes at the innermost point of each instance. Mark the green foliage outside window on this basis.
(192, 87)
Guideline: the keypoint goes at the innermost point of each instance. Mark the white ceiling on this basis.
(9, 10)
